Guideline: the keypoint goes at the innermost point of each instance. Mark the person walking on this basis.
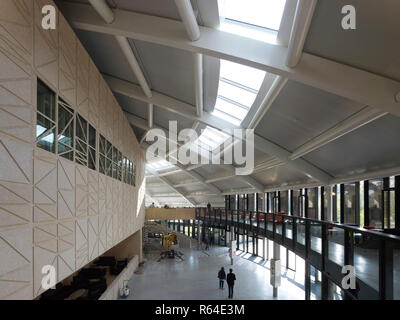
(221, 277)
(230, 279)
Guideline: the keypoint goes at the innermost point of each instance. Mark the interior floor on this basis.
(195, 278)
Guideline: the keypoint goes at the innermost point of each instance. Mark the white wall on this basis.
(54, 211)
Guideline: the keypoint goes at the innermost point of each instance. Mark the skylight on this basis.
(209, 139)
(258, 19)
(159, 165)
(237, 90)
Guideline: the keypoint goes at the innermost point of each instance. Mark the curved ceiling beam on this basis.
(301, 25)
(192, 28)
(103, 10)
(188, 18)
(355, 121)
(260, 143)
(352, 83)
(108, 16)
(166, 181)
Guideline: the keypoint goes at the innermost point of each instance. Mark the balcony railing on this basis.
(328, 246)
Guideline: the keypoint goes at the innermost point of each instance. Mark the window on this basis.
(237, 90)
(102, 154)
(257, 19)
(350, 203)
(92, 148)
(45, 118)
(125, 170)
(65, 136)
(312, 203)
(375, 188)
(115, 154)
(81, 140)
(57, 132)
(105, 156)
(284, 198)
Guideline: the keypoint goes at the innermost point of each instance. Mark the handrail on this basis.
(330, 223)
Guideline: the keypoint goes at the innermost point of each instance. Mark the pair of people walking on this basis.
(230, 279)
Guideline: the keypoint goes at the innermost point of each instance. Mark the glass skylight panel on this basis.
(244, 75)
(240, 95)
(210, 139)
(238, 88)
(231, 109)
(262, 13)
(226, 117)
(160, 165)
(248, 31)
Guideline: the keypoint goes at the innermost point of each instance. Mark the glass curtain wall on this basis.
(312, 203)
(284, 196)
(350, 205)
(375, 188)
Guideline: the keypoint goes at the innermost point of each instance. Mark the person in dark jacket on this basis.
(230, 279)
(221, 277)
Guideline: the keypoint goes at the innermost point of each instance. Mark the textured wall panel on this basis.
(45, 47)
(67, 62)
(82, 92)
(52, 210)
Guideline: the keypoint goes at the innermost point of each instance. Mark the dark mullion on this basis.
(366, 203)
(357, 204)
(397, 201)
(348, 251)
(334, 205)
(385, 270)
(342, 203)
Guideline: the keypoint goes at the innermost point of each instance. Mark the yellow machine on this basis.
(168, 241)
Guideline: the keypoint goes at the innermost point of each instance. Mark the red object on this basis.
(369, 227)
(330, 227)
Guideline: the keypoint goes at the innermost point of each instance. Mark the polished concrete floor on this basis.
(195, 278)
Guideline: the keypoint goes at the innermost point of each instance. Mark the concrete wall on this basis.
(54, 211)
(112, 292)
(128, 248)
(170, 214)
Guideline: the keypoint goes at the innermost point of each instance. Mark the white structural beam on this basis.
(103, 10)
(246, 178)
(150, 115)
(253, 118)
(198, 81)
(136, 121)
(133, 63)
(154, 173)
(337, 78)
(301, 25)
(357, 120)
(108, 16)
(199, 178)
(187, 183)
(176, 106)
(259, 168)
(188, 18)
(192, 29)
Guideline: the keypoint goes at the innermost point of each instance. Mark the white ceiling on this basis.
(299, 113)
